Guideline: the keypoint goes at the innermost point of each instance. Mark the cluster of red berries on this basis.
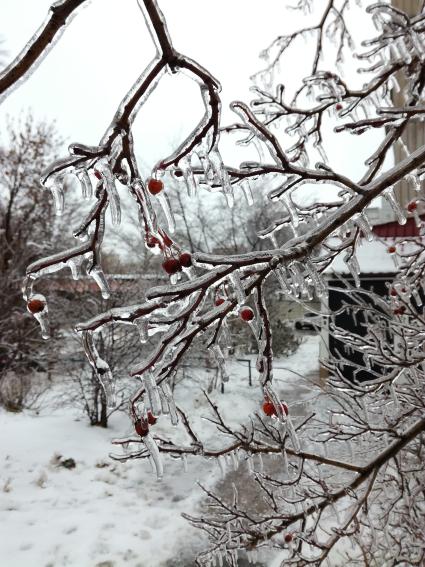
(174, 265)
(35, 306)
(400, 310)
(270, 410)
(141, 426)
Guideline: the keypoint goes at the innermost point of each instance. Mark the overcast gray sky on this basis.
(107, 45)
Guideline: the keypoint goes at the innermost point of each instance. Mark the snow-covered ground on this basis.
(107, 514)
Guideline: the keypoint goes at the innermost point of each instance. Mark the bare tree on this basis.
(353, 470)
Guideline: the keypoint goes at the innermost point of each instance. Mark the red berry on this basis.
(393, 292)
(151, 418)
(171, 266)
(97, 174)
(402, 309)
(338, 106)
(288, 538)
(155, 186)
(403, 290)
(246, 314)
(412, 206)
(141, 427)
(185, 260)
(219, 301)
(35, 305)
(391, 249)
(268, 408)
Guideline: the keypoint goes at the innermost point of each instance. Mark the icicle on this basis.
(404, 52)
(142, 326)
(184, 461)
(58, 196)
(418, 44)
(222, 465)
(109, 181)
(168, 394)
(235, 460)
(152, 391)
(86, 185)
(168, 213)
(75, 266)
(395, 205)
(285, 463)
(292, 210)
(99, 277)
(152, 447)
(223, 176)
(417, 297)
(245, 185)
(315, 278)
(353, 266)
(280, 274)
(363, 223)
(260, 463)
(188, 176)
(394, 397)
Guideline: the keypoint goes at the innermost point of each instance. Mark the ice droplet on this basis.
(99, 277)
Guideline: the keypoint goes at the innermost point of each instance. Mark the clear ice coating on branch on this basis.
(395, 205)
(97, 274)
(101, 367)
(168, 213)
(109, 181)
(153, 393)
(238, 288)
